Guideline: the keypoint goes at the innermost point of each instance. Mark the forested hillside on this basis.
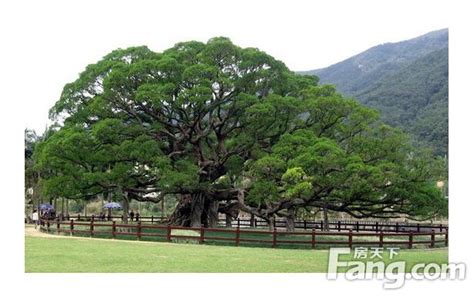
(406, 81)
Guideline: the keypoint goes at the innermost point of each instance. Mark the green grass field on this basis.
(62, 254)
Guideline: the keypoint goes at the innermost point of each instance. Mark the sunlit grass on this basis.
(84, 255)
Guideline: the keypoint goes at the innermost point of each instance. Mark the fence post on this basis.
(238, 222)
(201, 236)
(357, 226)
(410, 240)
(446, 237)
(432, 244)
(376, 226)
(71, 226)
(350, 238)
(139, 230)
(274, 237)
(396, 227)
(92, 227)
(168, 232)
(313, 238)
(114, 229)
(381, 239)
(440, 227)
(339, 225)
(418, 227)
(237, 236)
(322, 225)
(151, 219)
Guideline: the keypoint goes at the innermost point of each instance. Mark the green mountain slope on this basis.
(415, 98)
(406, 81)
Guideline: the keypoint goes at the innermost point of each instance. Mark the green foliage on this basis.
(406, 81)
(416, 99)
(346, 160)
(207, 122)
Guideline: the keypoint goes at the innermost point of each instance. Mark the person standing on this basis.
(132, 214)
(35, 219)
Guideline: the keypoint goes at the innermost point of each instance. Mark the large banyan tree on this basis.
(228, 129)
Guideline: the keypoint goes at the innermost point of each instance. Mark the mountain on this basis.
(407, 81)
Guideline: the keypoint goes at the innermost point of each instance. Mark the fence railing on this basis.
(338, 225)
(238, 236)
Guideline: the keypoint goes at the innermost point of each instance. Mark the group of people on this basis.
(50, 214)
(103, 217)
(133, 216)
(47, 214)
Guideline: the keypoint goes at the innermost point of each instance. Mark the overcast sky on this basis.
(55, 40)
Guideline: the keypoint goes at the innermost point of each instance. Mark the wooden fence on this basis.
(238, 236)
(338, 225)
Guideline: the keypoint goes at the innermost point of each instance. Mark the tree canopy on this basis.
(226, 128)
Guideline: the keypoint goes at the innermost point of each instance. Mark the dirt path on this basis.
(31, 231)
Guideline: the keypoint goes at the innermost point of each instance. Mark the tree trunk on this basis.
(109, 199)
(228, 220)
(126, 206)
(67, 207)
(326, 219)
(231, 211)
(271, 223)
(163, 209)
(39, 197)
(197, 208)
(180, 215)
(290, 220)
(213, 214)
(252, 220)
(189, 211)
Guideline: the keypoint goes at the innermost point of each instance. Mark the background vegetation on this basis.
(407, 81)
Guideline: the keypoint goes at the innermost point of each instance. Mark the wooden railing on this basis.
(238, 236)
(346, 225)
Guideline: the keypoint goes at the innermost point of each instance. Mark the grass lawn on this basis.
(62, 254)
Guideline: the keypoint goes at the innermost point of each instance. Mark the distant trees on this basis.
(228, 129)
(32, 175)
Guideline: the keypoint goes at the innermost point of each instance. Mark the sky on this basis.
(56, 40)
